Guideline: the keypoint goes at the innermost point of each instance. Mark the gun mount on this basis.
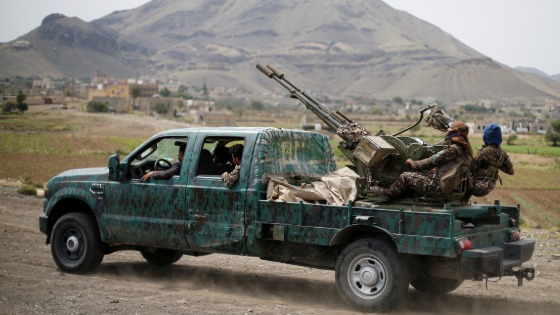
(379, 158)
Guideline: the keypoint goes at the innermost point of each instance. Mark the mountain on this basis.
(64, 46)
(332, 47)
(556, 77)
(532, 70)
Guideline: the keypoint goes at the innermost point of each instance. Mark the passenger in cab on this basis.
(230, 178)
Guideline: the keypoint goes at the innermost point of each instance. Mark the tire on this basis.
(435, 286)
(371, 275)
(161, 256)
(76, 246)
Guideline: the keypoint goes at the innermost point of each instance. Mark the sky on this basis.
(516, 33)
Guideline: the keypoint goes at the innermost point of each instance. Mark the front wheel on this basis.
(161, 256)
(371, 275)
(76, 246)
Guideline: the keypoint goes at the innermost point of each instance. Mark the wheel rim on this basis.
(367, 276)
(72, 246)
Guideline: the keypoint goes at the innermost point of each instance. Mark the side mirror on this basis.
(114, 162)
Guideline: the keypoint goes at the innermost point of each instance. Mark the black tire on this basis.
(161, 256)
(76, 246)
(434, 286)
(371, 275)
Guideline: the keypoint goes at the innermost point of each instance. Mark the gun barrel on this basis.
(331, 119)
(269, 73)
(271, 68)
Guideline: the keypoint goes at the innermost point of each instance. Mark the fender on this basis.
(351, 232)
(81, 193)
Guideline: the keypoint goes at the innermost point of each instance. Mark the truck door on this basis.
(217, 211)
(152, 212)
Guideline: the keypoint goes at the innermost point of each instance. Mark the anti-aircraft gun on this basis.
(380, 158)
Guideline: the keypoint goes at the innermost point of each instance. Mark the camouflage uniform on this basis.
(426, 182)
(487, 163)
(230, 178)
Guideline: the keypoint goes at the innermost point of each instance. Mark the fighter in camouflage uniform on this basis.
(434, 167)
(490, 159)
(230, 178)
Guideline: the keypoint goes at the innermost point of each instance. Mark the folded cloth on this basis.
(336, 188)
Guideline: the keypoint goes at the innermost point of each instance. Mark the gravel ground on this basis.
(219, 284)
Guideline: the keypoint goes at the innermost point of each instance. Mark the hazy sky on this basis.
(514, 32)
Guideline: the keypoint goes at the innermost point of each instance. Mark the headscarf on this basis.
(492, 135)
(458, 133)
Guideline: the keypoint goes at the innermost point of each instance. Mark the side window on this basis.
(215, 158)
(165, 151)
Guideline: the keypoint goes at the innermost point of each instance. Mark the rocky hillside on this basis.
(333, 47)
(64, 46)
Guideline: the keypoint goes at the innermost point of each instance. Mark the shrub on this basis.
(27, 189)
(9, 106)
(553, 135)
(553, 138)
(161, 108)
(97, 107)
(511, 139)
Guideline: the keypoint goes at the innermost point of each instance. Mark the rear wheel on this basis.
(434, 286)
(161, 256)
(371, 275)
(76, 246)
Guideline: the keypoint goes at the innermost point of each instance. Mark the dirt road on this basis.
(218, 284)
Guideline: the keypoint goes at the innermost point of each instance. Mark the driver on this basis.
(175, 169)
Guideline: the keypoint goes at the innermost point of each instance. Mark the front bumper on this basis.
(496, 261)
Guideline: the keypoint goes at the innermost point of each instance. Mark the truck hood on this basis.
(97, 174)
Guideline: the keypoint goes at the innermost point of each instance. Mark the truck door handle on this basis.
(98, 190)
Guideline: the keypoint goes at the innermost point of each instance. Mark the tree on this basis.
(161, 108)
(470, 108)
(135, 92)
(9, 106)
(205, 92)
(183, 88)
(97, 107)
(553, 138)
(183, 92)
(20, 100)
(165, 92)
(511, 139)
(553, 135)
(22, 107)
(398, 100)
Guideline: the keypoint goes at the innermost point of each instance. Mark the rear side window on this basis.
(215, 158)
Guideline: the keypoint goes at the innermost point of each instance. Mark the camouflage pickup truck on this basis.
(376, 249)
